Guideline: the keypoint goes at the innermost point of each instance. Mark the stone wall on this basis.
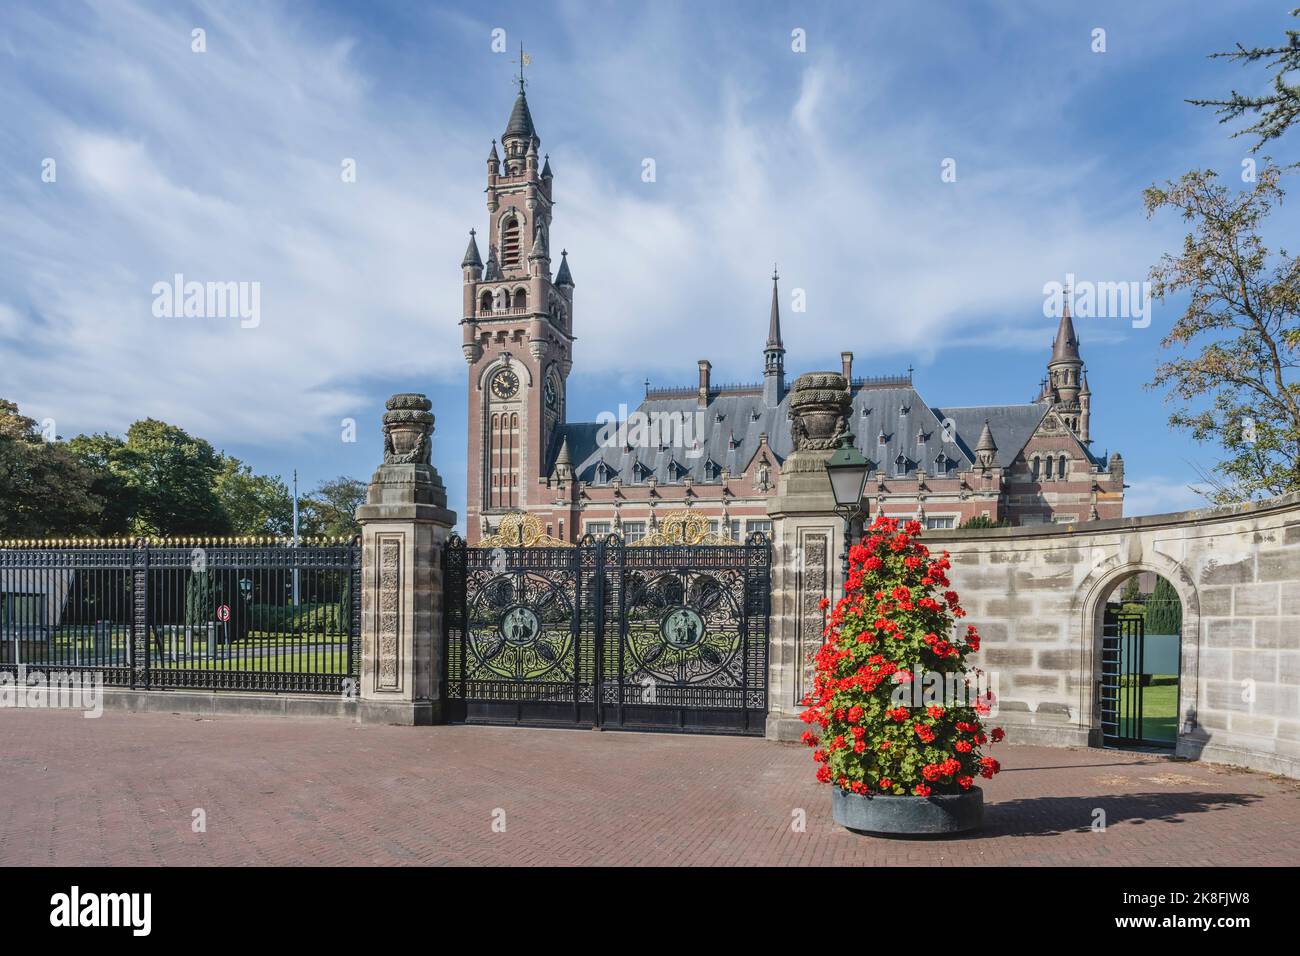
(1037, 595)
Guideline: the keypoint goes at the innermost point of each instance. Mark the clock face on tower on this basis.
(551, 391)
(505, 384)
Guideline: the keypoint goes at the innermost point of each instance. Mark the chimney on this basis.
(704, 382)
(846, 360)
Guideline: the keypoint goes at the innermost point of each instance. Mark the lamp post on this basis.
(847, 470)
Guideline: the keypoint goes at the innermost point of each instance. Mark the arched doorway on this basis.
(1142, 624)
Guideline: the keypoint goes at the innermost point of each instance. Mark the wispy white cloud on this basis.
(226, 166)
(1161, 494)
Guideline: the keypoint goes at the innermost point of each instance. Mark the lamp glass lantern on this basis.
(847, 470)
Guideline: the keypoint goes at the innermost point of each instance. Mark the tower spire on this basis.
(774, 321)
(1065, 368)
(774, 351)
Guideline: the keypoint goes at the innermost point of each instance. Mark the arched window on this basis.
(1034, 468)
(1060, 471)
(602, 473)
(510, 251)
(941, 464)
(485, 301)
(521, 299)
(1047, 467)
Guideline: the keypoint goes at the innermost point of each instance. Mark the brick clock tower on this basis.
(517, 333)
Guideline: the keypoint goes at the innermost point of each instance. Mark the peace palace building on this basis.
(1026, 464)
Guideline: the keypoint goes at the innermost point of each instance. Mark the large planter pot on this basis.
(941, 815)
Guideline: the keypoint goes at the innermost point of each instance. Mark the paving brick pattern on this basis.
(121, 790)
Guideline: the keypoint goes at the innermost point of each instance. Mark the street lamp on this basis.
(847, 470)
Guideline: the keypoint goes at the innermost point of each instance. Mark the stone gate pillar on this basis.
(404, 528)
(809, 541)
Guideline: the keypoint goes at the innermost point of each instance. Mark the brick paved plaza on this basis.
(121, 790)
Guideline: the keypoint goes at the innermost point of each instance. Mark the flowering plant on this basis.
(875, 733)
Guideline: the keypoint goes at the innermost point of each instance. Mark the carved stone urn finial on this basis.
(408, 423)
(819, 408)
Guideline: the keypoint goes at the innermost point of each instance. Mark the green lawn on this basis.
(333, 660)
(258, 651)
(1160, 709)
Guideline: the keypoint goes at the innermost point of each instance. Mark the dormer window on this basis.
(880, 439)
(711, 470)
(900, 466)
(941, 464)
(922, 438)
(602, 473)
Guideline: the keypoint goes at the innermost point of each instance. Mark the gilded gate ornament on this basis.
(683, 527)
(522, 530)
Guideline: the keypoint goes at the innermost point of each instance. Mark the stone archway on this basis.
(1093, 593)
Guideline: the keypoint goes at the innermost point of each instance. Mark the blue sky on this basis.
(225, 166)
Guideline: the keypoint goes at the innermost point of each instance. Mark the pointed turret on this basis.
(521, 122)
(1066, 346)
(562, 276)
(563, 470)
(471, 259)
(1065, 365)
(493, 271)
(986, 448)
(546, 168)
(774, 352)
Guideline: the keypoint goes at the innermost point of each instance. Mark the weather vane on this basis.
(523, 61)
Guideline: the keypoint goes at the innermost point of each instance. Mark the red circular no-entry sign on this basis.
(223, 613)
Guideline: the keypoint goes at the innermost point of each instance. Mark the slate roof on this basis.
(521, 121)
(742, 414)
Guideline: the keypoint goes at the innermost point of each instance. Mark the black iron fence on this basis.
(227, 614)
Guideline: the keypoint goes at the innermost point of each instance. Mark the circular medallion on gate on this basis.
(681, 628)
(519, 625)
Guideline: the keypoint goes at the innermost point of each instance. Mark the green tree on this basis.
(45, 491)
(1234, 379)
(984, 521)
(331, 508)
(172, 477)
(1276, 110)
(97, 453)
(253, 504)
(200, 599)
(1164, 611)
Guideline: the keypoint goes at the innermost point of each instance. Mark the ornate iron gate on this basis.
(1120, 689)
(657, 636)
